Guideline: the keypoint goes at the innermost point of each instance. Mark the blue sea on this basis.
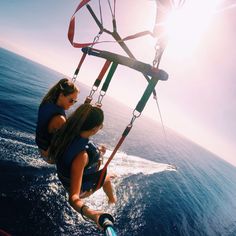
(165, 186)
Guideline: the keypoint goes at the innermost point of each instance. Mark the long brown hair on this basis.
(64, 86)
(84, 118)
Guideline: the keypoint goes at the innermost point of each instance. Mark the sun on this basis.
(185, 27)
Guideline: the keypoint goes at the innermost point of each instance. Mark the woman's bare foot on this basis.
(112, 175)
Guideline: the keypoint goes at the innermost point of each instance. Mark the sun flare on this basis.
(186, 26)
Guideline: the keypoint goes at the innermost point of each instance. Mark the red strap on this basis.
(79, 65)
(108, 161)
(71, 31)
(137, 35)
(128, 128)
(104, 70)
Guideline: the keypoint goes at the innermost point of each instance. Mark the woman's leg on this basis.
(107, 188)
(45, 156)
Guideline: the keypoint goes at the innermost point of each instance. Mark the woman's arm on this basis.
(56, 123)
(76, 176)
(77, 170)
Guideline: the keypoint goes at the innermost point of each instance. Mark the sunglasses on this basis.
(71, 100)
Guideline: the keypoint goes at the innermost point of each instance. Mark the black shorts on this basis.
(90, 181)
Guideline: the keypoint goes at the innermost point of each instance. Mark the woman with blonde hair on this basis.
(51, 113)
(78, 159)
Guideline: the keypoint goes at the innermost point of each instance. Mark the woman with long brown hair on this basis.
(51, 113)
(78, 159)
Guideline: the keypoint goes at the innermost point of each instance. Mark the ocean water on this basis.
(164, 186)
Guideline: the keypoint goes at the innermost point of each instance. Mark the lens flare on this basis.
(186, 26)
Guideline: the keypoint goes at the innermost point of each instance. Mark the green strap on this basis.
(147, 93)
(161, 75)
(109, 76)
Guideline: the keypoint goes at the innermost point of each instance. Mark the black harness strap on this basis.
(144, 68)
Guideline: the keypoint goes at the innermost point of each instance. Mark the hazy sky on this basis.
(198, 101)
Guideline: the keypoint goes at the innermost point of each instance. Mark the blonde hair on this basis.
(84, 118)
(64, 86)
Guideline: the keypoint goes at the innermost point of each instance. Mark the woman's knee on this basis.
(107, 179)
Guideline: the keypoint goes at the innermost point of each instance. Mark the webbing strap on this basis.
(109, 76)
(98, 81)
(78, 67)
(148, 91)
(71, 30)
(144, 68)
(125, 133)
(137, 35)
(139, 108)
(106, 84)
(102, 73)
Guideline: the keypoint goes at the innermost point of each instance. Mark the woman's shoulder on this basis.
(51, 108)
(77, 146)
(49, 105)
(80, 142)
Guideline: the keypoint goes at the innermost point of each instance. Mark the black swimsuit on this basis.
(91, 173)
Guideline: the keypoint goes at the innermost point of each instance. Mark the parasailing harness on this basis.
(151, 73)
